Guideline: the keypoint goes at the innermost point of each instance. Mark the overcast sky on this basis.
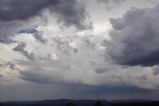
(79, 49)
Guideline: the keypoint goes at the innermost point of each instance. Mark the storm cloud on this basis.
(71, 11)
(15, 15)
(20, 9)
(135, 38)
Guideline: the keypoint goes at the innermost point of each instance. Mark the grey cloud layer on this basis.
(52, 72)
(110, 4)
(135, 38)
(111, 1)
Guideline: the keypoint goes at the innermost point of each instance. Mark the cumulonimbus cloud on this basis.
(85, 59)
(135, 38)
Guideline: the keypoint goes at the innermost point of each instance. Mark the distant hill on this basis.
(68, 102)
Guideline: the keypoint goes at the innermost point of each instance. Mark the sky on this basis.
(79, 49)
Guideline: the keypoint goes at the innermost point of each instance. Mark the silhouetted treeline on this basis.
(155, 103)
(81, 103)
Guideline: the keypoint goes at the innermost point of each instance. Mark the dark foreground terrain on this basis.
(81, 103)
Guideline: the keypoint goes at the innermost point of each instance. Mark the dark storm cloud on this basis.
(14, 12)
(34, 77)
(22, 9)
(6, 30)
(135, 38)
(70, 11)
